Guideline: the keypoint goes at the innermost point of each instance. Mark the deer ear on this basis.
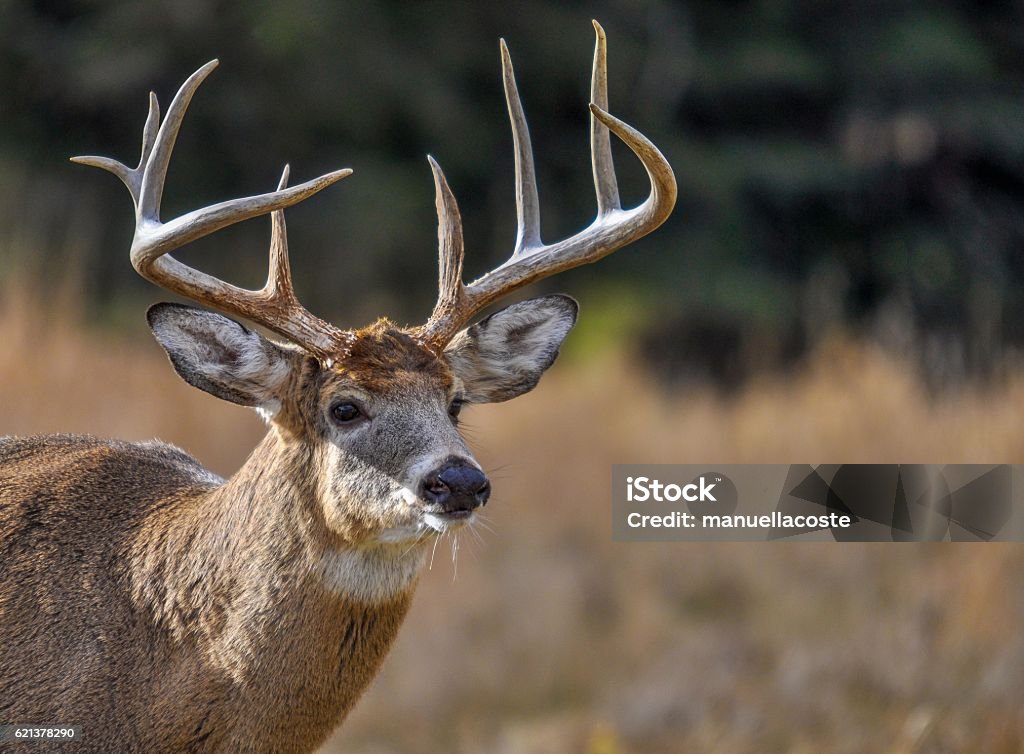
(218, 355)
(503, 356)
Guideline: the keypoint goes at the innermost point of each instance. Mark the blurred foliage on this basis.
(841, 165)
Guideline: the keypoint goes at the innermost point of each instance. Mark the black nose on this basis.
(457, 487)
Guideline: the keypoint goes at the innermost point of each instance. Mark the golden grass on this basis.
(552, 638)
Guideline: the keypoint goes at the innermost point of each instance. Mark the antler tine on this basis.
(605, 183)
(131, 177)
(279, 275)
(527, 203)
(274, 306)
(611, 230)
(450, 247)
(155, 173)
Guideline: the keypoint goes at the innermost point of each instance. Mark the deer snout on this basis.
(456, 487)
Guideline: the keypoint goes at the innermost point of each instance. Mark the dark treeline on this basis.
(842, 165)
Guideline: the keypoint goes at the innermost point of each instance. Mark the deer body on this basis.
(211, 616)
(165, 609)
(185, 631)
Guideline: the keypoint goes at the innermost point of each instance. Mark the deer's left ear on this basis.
(504, 355)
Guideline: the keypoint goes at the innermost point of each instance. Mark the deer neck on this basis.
(249, 574)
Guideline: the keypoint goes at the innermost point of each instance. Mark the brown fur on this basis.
(196, 592)
(382, 353)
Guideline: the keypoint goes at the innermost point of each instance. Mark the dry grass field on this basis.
(551, 638)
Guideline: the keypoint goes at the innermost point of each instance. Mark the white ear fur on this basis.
(218, 355)
(504, 356)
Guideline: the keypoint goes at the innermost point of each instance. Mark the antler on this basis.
(274, 306)
(532, 260)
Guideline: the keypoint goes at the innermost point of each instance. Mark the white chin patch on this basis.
(441, 524)
(398, 534)
(371, 576)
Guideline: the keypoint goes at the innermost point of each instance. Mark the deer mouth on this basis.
(443, 521)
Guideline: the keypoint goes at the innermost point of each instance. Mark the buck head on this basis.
(381, 419)
(377, 408)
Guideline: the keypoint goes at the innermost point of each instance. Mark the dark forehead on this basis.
(383, 357)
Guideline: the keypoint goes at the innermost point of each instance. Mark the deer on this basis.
(166, 609)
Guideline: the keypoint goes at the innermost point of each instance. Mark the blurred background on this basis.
(841, 282)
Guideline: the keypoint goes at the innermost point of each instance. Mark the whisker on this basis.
(466, 429)
(473, 542)
(415, 542)
(487, 528)
(432, 551)
(483, 521)
(455, 556)
(475, 533)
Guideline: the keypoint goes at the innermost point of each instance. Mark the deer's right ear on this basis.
(218, 355)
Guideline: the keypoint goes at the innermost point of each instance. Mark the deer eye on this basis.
(455, 409)
(345, 413)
